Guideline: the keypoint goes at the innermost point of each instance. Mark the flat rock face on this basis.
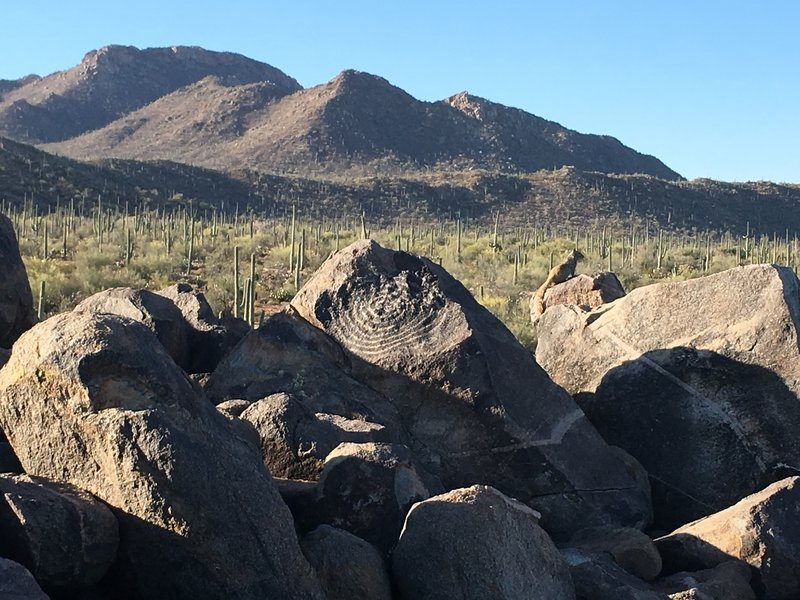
(65, 536)
(16, 302)
(476, 543)
(199, 516)
(762, 530)
(158, 313)
(475, 403)
(698, 380)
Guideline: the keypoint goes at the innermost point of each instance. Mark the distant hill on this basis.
(114, 81)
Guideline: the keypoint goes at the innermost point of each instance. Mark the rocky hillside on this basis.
(114, 81)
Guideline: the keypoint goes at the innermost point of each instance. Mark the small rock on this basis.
(233, 408)
(632, 550)
(586, 291)
(728, 581)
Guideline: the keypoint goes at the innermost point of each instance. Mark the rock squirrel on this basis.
(558, 274)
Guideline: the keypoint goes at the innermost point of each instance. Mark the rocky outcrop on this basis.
(209, 338)
(762, 530)
(16, 301)
(296, 441)
(199, 516)
(477, 543)
(348, 567)
(63, 535)
(476, 405)
(158, 313)
(586, 291)
(16, 583)
(702, 391)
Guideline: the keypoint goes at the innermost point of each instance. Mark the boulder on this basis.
(16, 583)
(477, 543)
(703, 392)
(63, 535)
(477, 407)
(631, 549)
(348, 567)
(762, 530)
(233, 408)
(210, 338)
(586, 291)
(199, 516)
(728, 581)
(295, 441)
(286, 354)
(16, 301)
(158, 313)
(368, 488)
(597, 577)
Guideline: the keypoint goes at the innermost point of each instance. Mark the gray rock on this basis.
(598, 577)
(368, 488)
(586, 291)
(477, 543)
(762, 530)
(348, 567)
(631, 549)
(233, 408)
(295, 441)
(728, 581)
(16, 583)
(158, 313)
(16, 301)
(476, 405)
(63, 535)
(199, 515)
(698, 380)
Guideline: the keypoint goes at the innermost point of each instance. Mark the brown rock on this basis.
(348, 567)
(477, 543)
(63, 535)
(631, 549)
(199, 516)
(586, 291)
(233, 408)
(762, 530)
(476, 405)
(704, 393)
(16, 583)
(16, 302)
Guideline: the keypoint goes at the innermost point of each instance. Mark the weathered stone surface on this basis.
(348, 567)
(209, 338)
(199, 515)
(368, 488)
(698, 380)
(286, 354)
(233, 408)
(16, 583)
(477, 543)
(586, 291)
(598, 577)
(295, 441)
(63, 535)
(158, 313)
(728, 581)
(16, 301)
(762, 530)
(476, 405)
(631, 549)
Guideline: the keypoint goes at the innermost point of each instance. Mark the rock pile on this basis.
(387, 437)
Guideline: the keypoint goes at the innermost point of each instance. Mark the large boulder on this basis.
(477, 407)
(63, 535)
(477, 543)
(157, 312)
(762, 530)
(698, 380)
(95, 401)
(586, 291)
(16, 301)
(16, 582)
(295, 441)
(210, 338)
(348, 567)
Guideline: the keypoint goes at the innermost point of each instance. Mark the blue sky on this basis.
(711, 87)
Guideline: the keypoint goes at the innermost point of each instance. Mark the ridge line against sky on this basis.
(711, 90)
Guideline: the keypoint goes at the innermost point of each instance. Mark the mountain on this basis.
(356, 123)
(114, 81)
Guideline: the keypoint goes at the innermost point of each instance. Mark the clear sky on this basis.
(711, 87)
